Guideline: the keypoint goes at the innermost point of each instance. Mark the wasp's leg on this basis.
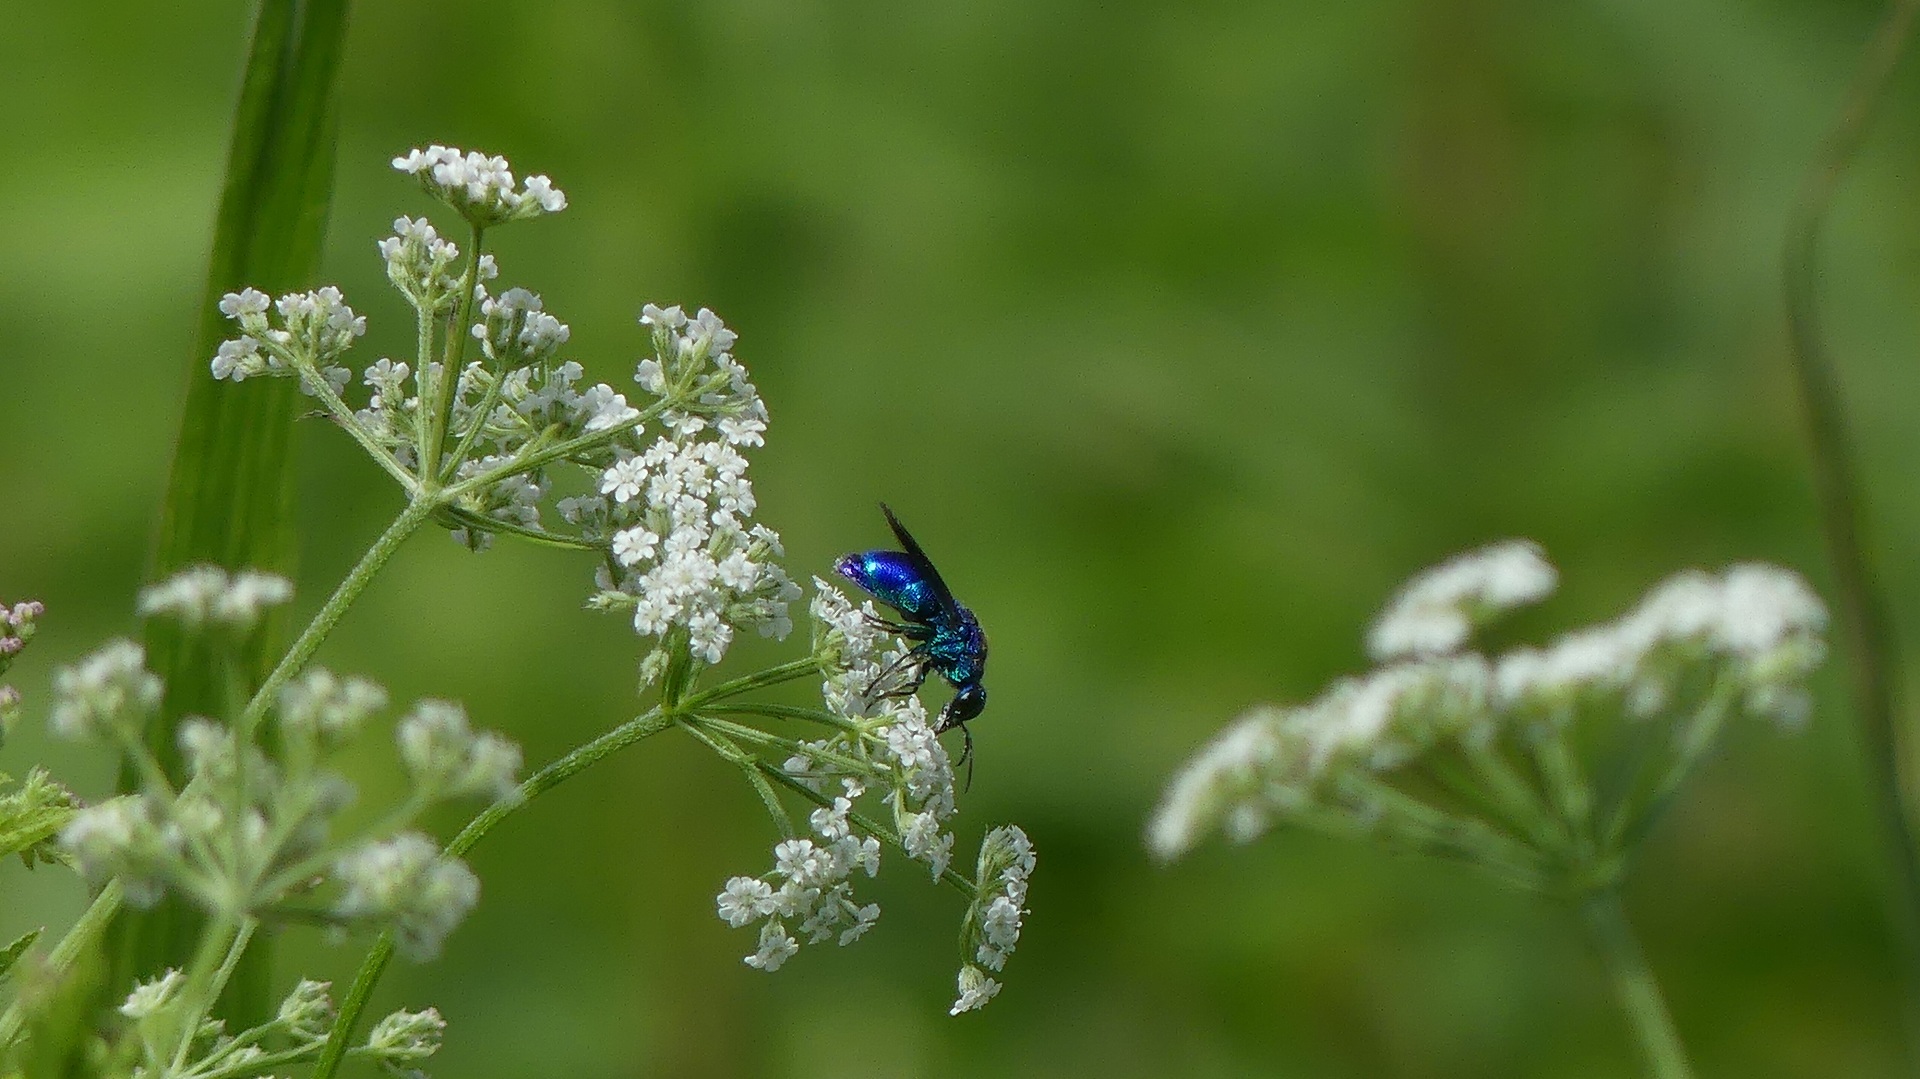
(966, 754)
(916, 656)
(908, 630)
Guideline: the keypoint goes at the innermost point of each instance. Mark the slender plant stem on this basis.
(222, 943)
(357, 579)
(438, 406)
(772, 676)
(1866, 625)
(381, 953)
(1634, 984)
(93, 922)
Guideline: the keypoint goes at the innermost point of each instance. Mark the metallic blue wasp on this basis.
(947, 639)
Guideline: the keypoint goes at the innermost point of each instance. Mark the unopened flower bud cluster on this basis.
(1522, 733)
(18, 622)
(253, 836)
(157, 1009)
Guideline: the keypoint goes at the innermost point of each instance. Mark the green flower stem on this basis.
(439, 406)
(747, 763)
(1492, 766)
(343, 415)
(1566, 780)
(1472, 789)
(529, 460)
(1414, 821)
(1346, 826)
(222, 943)
(357, 579)
(480, 414)
(1634, 984)
(422, 373)
(85, 932)
(864, 823)
(469, 519)
(1700, 734)
(732, 732)
(788, 711)
(772, 676)
(381, 953)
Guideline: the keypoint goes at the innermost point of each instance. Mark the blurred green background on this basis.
(1180, 333)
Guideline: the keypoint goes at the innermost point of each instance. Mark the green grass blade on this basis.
(228, 494)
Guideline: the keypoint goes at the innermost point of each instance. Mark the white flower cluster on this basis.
(447, 758)
(205, 594)
(992, 928)
(314, 329)
(407, 883)
(1697, 648)
(107, 696)
(686, 558)
(479, 186)
(675, 514)
(809, 888)
(692, 360)
(425, 267)
(1436, 611)
(17, 626)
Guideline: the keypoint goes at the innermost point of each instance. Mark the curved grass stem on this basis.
(1865, 624)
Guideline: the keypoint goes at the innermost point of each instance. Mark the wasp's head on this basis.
(965, 705)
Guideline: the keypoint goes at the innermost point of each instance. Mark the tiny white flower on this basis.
(975, 990)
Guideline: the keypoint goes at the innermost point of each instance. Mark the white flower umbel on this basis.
(1543, 766)
(1492, 758)
(480, 187)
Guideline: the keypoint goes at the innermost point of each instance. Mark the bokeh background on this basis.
(1180, 333)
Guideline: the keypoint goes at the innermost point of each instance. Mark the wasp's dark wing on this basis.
(913, 551)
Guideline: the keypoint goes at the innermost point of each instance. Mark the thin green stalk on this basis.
(723, 747)
(1865, 623)
(469, 519)
(357, 579)
(1420, 823)
(864, 823)
(344, 418)
(440, 404)
(381, 953)
(422, 380)
(533, 458)
(222, 942)
(480, 414)
(1635, 986)
(85, 932)
(786, 711)
(772, 676)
